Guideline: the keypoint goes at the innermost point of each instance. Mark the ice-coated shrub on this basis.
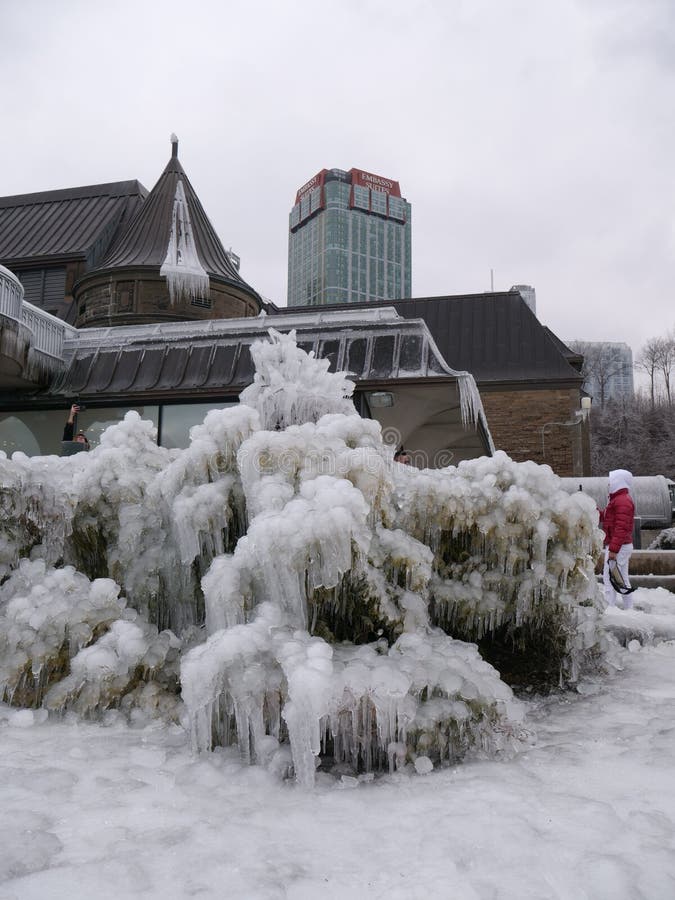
(46, 617)
(111, 671)
(324, 599)
(665, 540)
(514, 559)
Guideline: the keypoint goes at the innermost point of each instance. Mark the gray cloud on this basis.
(531, 138)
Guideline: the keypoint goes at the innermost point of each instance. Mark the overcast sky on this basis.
(533, 138)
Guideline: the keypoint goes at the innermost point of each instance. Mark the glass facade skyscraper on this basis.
(607, 369)
(349, 240)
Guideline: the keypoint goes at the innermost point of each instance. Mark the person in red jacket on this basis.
(617, 521)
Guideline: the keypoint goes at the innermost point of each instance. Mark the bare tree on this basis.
(635, 435)
(648, 360)
(599, 368)
(666, 361)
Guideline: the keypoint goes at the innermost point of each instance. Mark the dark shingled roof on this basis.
(573, 357)
(144, 242)
(65, 224)
(495, 336)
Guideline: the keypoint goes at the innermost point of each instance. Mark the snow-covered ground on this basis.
(108, 810)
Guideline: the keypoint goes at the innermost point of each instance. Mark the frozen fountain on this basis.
(283, 585)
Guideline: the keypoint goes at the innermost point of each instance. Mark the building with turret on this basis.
(125, 299)
(116, 254)
(168, 264)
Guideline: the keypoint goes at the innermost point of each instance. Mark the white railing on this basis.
(11, 295)
(49, 333)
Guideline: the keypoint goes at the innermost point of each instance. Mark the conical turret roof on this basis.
(171, 230)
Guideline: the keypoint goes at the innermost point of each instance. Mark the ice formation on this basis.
(665, 540)
(288, 585)
(185, 275)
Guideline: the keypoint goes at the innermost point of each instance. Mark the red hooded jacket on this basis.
(617, 517)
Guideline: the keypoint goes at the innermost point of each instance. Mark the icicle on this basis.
(186, 277)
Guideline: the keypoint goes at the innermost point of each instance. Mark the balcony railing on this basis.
(48, 332)
(11, 295)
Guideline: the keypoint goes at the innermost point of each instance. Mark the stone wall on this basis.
(540, 425)
(135, 298)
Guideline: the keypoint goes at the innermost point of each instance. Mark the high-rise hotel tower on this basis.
(349, 240)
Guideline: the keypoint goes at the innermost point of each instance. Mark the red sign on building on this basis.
(375, 182)
(317, 181)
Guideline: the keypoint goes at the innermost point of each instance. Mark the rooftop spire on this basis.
(172, 219)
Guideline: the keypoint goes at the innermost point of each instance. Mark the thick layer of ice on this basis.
(46, 616)
(312, 583)
(292, 386)
(185, 275)
(427, 693)
(510, 547)
(130, 654)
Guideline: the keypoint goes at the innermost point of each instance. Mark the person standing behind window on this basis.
(69, 428)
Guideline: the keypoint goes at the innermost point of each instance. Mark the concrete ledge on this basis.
(654, 581)
(648, 562)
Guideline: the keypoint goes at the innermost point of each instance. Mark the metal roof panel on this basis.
(63, 223)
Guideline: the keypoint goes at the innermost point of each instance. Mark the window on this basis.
(378, 202)
(361, 197)
(178, 420)
(44, 287)
(39, 432)
(315, 199)
(397, 208)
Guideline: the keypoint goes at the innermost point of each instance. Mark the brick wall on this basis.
(517, 418)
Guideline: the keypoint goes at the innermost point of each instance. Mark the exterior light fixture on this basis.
(381, 399)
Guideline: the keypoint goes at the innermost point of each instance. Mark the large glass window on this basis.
(337, 194)
(315, 199)
(40, 432)
(361, 197)
(397, 208)
(178, 420)
(378, 201)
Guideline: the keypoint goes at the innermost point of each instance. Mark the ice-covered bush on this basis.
(318, 596)
(118, 665)
(67, 642)
(116, 532)
(665, 540)
(36, 508)
(46, 616)
(362, 706)
(513, 561)
(327, 621)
